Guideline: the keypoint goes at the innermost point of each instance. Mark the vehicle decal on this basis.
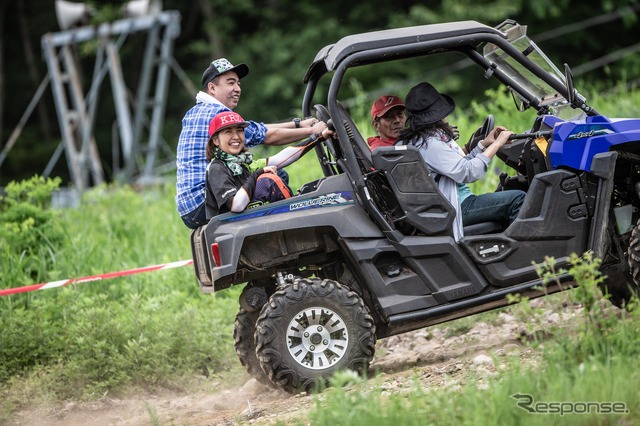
(325, 200)
(581, 132)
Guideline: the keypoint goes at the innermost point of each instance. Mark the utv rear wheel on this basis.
(243, 331)
(311, 329)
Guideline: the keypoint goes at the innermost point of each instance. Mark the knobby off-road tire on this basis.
(622, 279)
(626, 289)
(244, 344)
(311, 329)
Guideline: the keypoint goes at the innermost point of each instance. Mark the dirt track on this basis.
(438, 357)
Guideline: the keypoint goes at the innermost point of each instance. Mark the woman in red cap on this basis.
(235, 180)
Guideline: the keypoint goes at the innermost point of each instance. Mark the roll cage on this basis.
(466, 37)
(504, 58)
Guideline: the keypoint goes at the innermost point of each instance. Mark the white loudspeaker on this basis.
(136, 8)
(70, 14)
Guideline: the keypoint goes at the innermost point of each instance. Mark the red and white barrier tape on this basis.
(61, 283)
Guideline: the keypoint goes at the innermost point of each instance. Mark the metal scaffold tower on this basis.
(139, 121)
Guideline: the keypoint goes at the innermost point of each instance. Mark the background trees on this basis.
(279, 39)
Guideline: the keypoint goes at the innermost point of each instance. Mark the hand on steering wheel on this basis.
(481, 133)
(332, 145)
(323, 115)
(493, 135)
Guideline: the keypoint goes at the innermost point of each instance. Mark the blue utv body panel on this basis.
(575, 143)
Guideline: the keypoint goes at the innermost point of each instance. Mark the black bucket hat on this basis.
(426, 105)
(221, 66)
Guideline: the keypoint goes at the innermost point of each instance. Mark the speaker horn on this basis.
(71, 14)
(137, 8)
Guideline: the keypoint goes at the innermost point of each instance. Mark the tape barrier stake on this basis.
(61, 283)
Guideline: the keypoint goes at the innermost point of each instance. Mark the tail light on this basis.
(215, 253)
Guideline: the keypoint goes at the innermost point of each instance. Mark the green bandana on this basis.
(234, 162)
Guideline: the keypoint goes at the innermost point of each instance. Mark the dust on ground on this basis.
(438, 357)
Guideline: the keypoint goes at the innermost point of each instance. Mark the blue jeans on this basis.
(195, 218)
(501, 206)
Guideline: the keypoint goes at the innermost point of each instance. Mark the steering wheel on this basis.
(483, 131)
(571, 91)
(487, 125)
(322, 114)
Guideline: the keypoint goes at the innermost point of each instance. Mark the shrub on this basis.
(29, 229)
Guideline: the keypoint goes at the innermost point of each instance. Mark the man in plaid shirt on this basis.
(221, 92)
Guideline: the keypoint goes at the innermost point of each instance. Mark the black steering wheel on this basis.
(487, 125)
(483, 131)
(322, 114)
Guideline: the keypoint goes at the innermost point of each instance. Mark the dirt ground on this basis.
(441, 356)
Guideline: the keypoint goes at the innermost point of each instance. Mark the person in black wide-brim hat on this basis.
(453, 168)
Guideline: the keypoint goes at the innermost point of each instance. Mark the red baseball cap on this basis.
(225, 119)
(383, 104)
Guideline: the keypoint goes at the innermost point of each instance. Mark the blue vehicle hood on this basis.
(576, 142)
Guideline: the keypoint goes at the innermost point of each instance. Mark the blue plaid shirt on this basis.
(191, 162)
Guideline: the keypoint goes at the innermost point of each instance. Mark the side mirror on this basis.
(568, 78)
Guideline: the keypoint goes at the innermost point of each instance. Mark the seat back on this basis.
(422, 204)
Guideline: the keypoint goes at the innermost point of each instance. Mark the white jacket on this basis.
(449, 166)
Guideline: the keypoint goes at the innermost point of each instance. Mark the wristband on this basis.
(482, 147)
(296, 122)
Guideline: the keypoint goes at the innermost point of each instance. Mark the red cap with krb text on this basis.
(383, 104)
(225, 119)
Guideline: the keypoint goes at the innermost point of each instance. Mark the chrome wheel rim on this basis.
(317, 338)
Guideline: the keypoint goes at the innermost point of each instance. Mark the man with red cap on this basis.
(221, 92)
(388, 118)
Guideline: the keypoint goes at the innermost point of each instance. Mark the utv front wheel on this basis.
(311, 329)
(622, 278)
(631, 287)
